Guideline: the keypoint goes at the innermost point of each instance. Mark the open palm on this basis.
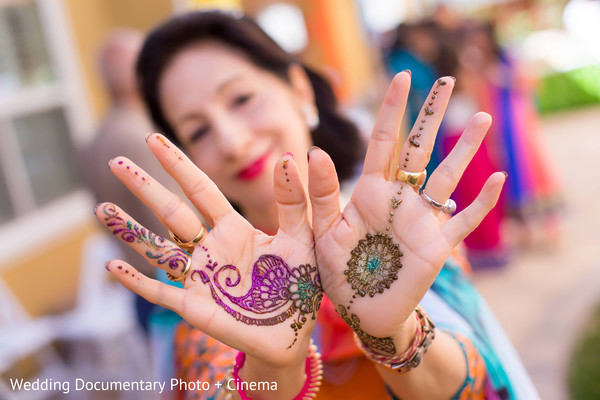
(379, 256)
(254, 292)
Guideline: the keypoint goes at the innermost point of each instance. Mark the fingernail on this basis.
(109, 161)
(505, 174)
(106, 265)
(148, 137)
(408, 71)
(453, 78)
(96, 208)
(311, 149)
(288, 154)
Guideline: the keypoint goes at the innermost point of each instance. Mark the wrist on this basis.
(418, 343)
(260, 378)
(405, 334)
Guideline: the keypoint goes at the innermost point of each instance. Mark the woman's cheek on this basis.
(205, 160)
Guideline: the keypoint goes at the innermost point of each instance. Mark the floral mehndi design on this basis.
(373, 267)
(412, 140)
(374, 264)
(275, 288)
(130, 232)
(382, 345)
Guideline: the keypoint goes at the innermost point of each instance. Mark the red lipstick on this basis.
(254, 170)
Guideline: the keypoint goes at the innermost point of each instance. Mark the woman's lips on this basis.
(255, 169)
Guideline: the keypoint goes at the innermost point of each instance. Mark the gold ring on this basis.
(415, 179)
(186, 271)
(189, 246)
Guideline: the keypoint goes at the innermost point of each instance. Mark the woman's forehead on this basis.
(208, 66)
(211, 56)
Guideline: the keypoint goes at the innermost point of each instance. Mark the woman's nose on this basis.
(233, 137)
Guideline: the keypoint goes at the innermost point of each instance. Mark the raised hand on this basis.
(378, 257)
(254, 292)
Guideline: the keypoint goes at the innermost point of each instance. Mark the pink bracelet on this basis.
(314, 374)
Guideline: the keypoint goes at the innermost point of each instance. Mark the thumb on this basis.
(323, 189)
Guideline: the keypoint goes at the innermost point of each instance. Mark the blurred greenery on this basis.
(570, 89)
(584, 382)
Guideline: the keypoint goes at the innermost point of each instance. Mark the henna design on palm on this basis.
(374, 264)
(382, 345)
(373, 267)
(274, 286)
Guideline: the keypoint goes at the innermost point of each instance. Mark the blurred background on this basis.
(533, 65)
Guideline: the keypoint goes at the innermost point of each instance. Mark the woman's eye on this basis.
(198, 133)
(242, 99)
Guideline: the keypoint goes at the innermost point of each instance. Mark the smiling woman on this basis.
(217, 86)
(256, 90)
(237, 124)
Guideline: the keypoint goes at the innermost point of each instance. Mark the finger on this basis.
(159, 252)
(444, 179)
(203, 193)
(323, 190)
(418, 146)
(152, 290)
(382, 146)
(459, 226)
(171, 211)
(290, 197)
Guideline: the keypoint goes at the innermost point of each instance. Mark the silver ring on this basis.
(449, 207)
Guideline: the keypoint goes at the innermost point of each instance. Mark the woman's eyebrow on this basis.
(220, 89)
(223, 85)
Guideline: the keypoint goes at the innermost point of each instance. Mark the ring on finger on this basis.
(186, 271)
(449, 207)
(415, 179)
(188, 246)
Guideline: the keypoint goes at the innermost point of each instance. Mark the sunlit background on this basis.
(60, 315)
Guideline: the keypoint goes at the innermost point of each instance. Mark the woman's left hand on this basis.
(379, 256)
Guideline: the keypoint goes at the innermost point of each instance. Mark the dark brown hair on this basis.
(335, 134)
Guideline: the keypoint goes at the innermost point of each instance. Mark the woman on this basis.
(219, 87)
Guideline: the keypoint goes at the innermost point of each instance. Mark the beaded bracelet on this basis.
(313, 370)
(411, 358)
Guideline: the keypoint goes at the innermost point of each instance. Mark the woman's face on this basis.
(235, 119)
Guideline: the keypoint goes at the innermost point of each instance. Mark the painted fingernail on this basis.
(505, 174)
(148, 137)
(288, 154)
(311, 149)
(408, 71)
(453, 78)
(106, 265)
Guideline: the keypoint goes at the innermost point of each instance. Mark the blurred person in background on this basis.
(122, 132)
(220, 88)
(506, 92)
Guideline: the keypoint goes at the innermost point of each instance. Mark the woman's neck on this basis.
(263, 218)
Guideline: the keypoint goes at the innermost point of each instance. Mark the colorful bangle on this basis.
(411, 358)
(229, 394)
(313, 370)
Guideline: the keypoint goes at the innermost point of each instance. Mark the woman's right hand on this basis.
(379, 256)
(382, 252)
(254, 292)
